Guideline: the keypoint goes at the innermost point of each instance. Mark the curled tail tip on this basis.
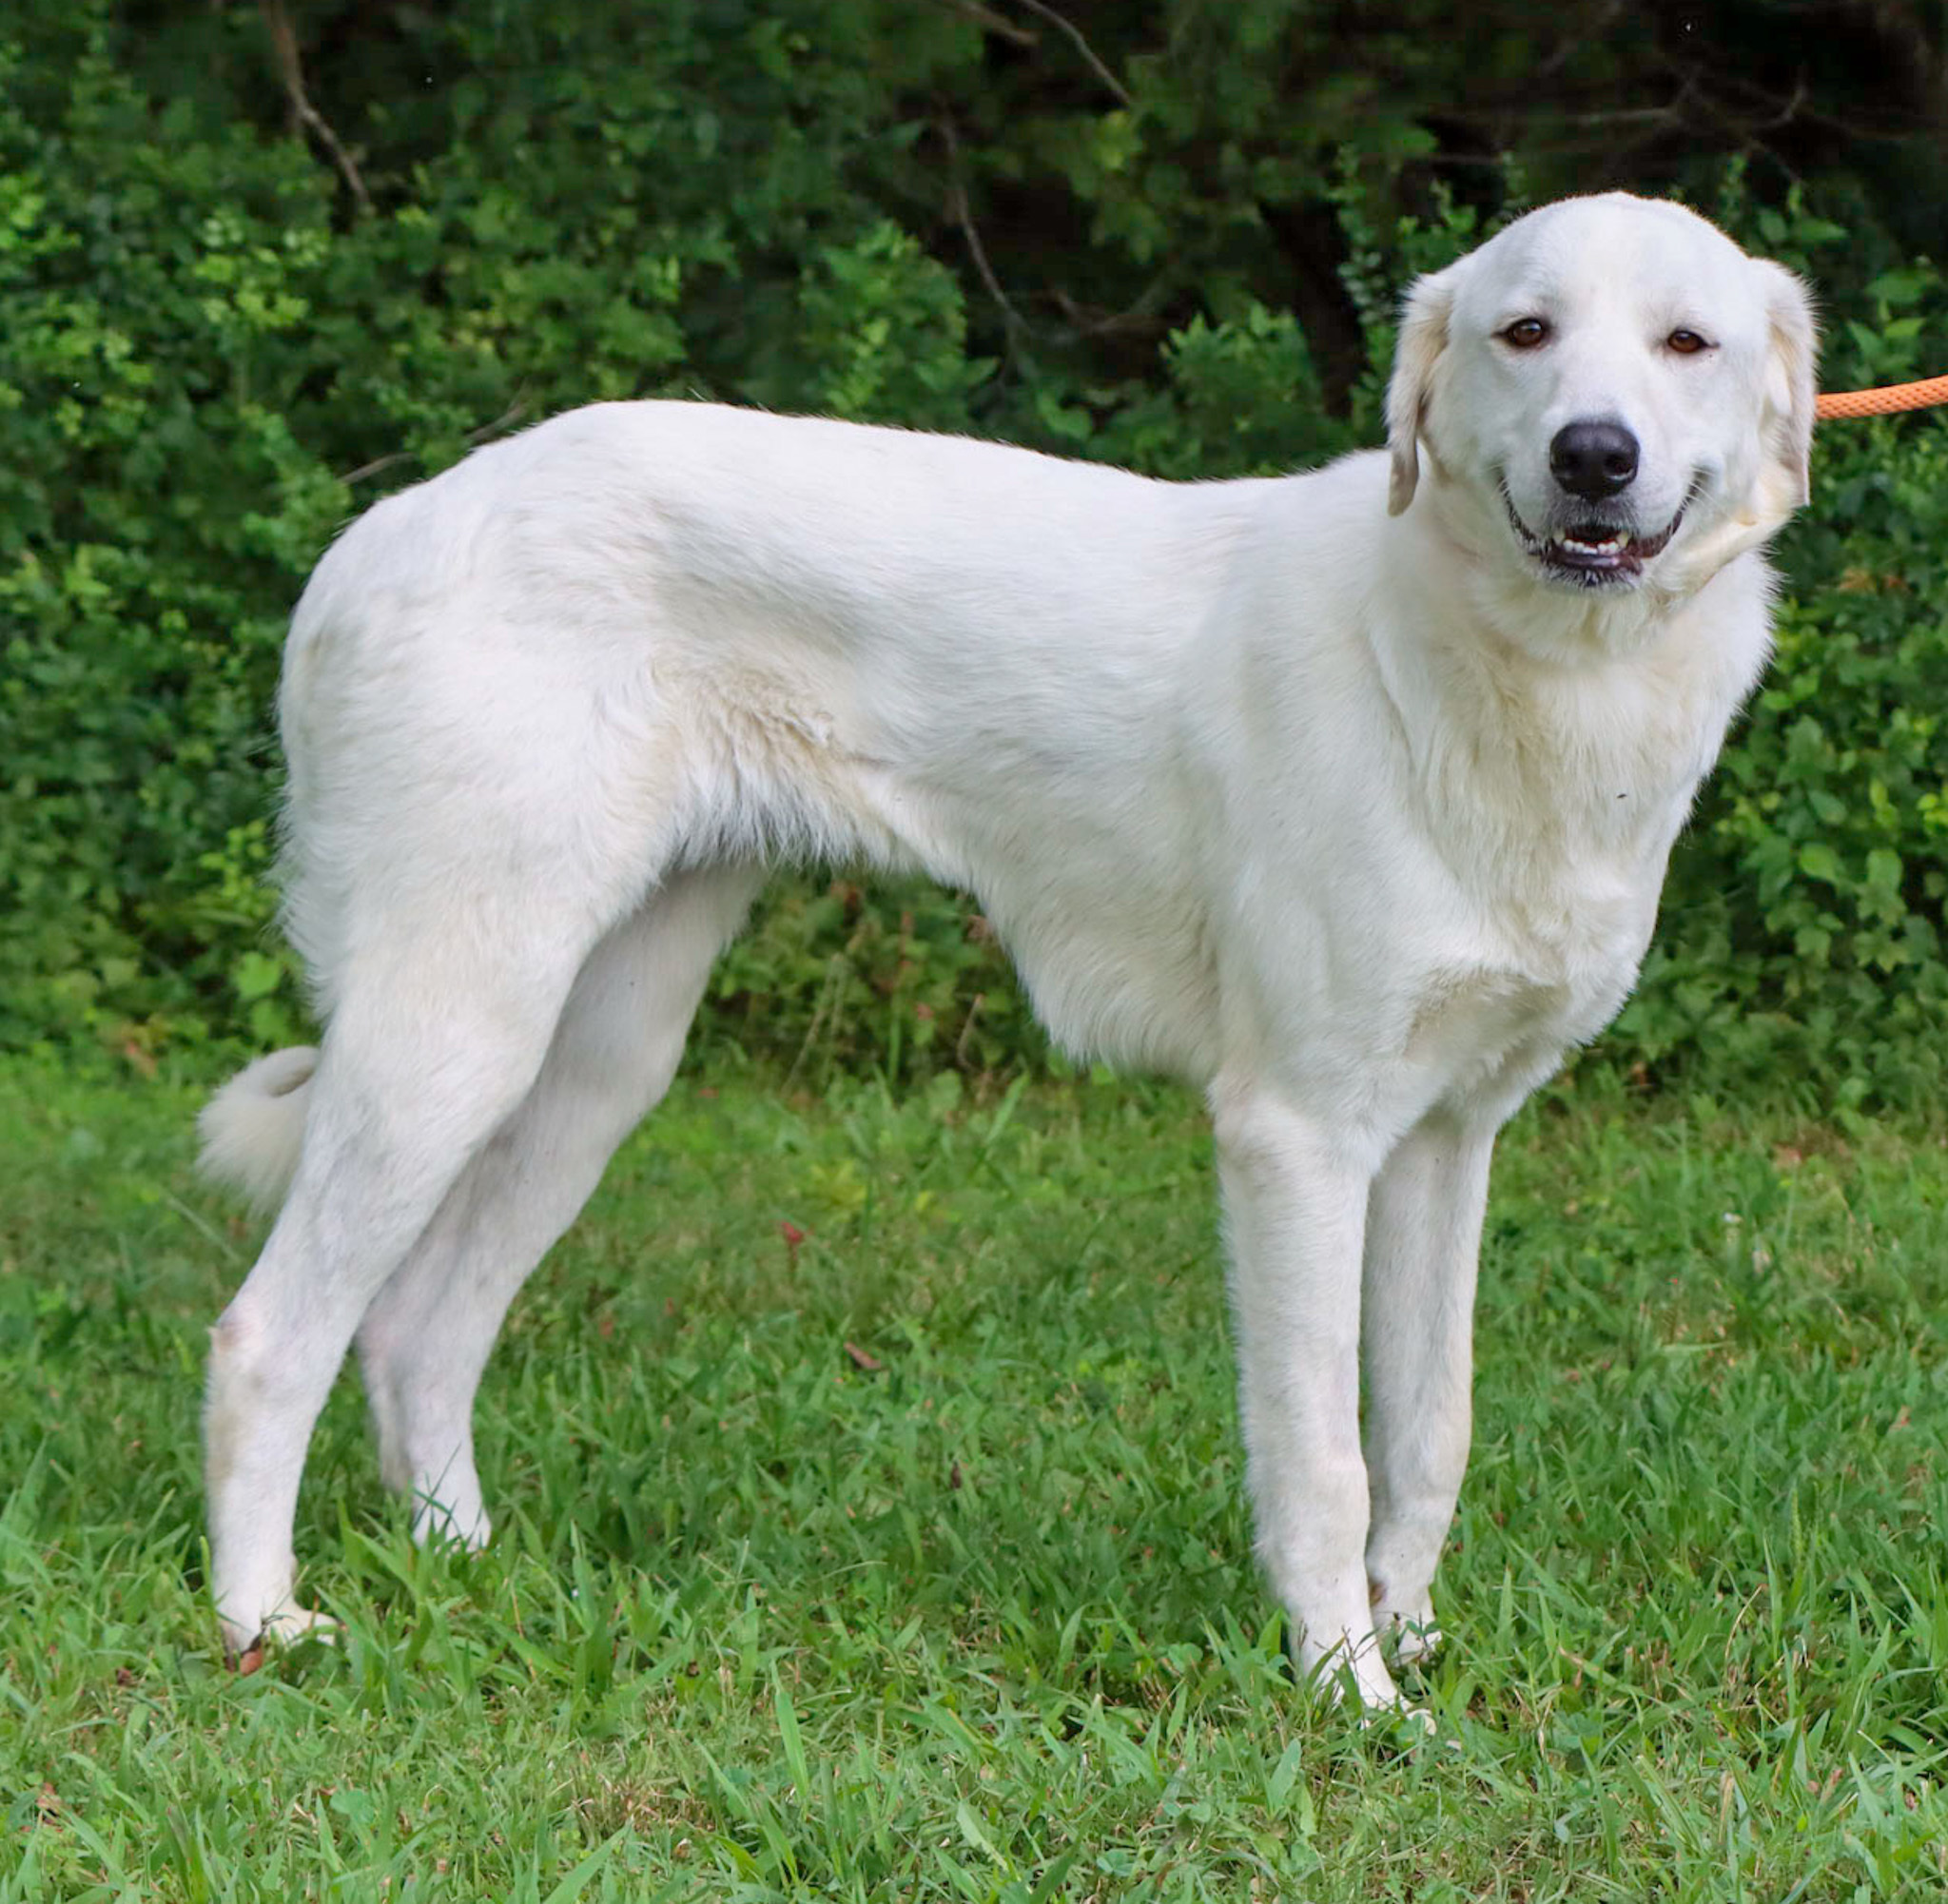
(253, 1129)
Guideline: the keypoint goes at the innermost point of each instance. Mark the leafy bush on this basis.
(213, 352)
(156, 511)
(206, 368)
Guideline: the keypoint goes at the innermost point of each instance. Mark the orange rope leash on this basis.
(1884, 401)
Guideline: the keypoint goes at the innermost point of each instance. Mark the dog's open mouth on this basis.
(1593, 553)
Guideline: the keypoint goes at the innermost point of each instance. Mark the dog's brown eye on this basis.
(1687, 343)
(1525, 333)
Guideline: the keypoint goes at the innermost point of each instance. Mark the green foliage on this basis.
(1181, 253)
(203, 370)
(898, 980)
(155, 508)
(1803, 926)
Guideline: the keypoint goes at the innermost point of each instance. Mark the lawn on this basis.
(869, 1526)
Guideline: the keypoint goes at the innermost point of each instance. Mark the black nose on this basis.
(1593, 460)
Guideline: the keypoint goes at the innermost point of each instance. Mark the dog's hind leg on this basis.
(425, 1340)
(439, 1032)
(1423, 1238)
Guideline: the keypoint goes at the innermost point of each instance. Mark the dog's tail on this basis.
(253, 1129)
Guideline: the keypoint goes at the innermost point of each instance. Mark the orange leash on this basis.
(1884, 401)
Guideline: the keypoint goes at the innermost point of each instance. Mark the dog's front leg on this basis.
(1295, 1198)
(1423, 1235)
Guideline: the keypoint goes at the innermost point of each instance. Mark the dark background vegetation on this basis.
(261, 264)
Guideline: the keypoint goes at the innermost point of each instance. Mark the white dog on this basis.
(1345, 796)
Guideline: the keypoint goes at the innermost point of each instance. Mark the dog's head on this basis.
(1609, 395)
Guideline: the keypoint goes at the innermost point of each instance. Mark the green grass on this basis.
(981, 1622)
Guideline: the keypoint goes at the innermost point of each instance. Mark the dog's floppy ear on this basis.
(1423, 337)
(1789, 382)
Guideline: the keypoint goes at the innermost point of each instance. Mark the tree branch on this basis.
(283, 43)
(1083, 47)
(958, 209)
(513, 413)
(993, 22)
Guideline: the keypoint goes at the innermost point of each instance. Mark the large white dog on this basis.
(1344, 796)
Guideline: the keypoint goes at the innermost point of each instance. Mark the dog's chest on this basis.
(1544, 942)
(1470, 1025)
(1552, 825)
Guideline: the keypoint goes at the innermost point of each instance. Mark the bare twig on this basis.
(994, 22)
(1140, 318)
(283, 41)
(1083, 47)
(513, 413)
(1597, 29)
(958, 211)
(377, 463)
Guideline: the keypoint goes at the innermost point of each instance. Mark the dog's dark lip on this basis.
(1594, 554)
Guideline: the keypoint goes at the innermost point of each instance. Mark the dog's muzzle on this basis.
(1595, 551)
